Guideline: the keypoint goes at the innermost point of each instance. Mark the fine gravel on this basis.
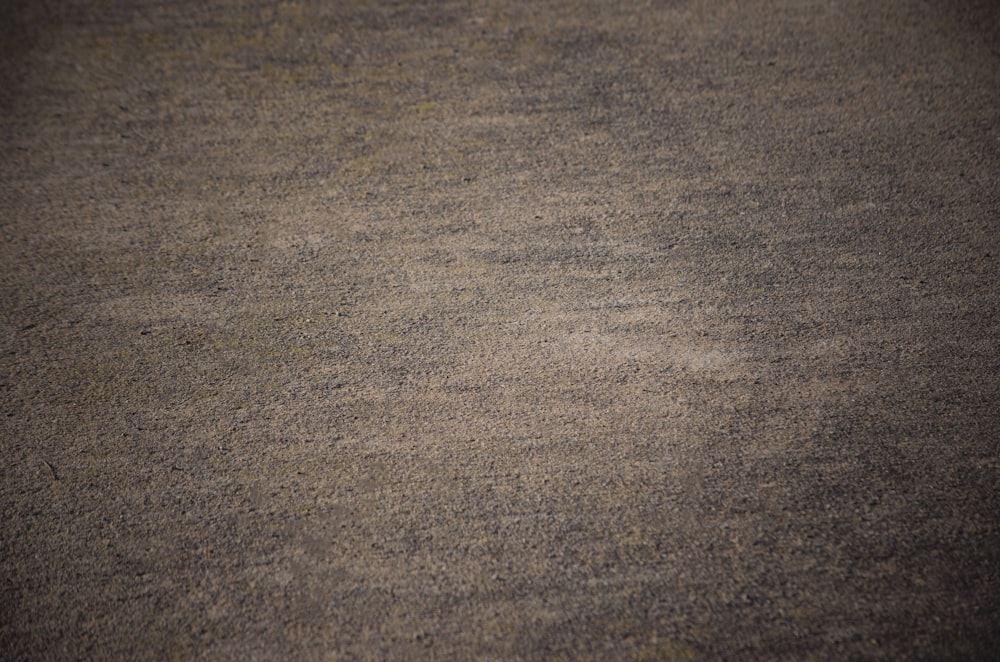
(469, 329)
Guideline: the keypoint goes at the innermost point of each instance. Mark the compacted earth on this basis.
(500, 329)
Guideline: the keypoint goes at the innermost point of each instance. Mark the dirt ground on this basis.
(500, 329)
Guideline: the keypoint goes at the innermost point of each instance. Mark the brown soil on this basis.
(586, 330)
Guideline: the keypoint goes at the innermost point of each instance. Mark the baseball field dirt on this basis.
(471, 329)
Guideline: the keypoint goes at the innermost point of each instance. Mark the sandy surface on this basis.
(583, 330)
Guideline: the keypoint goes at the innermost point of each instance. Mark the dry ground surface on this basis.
(514, 329)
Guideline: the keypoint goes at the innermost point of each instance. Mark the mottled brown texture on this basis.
(522, 330)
